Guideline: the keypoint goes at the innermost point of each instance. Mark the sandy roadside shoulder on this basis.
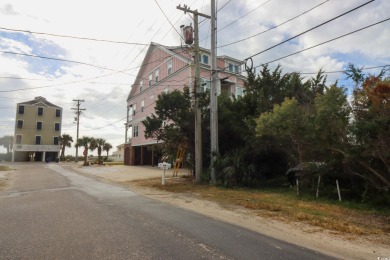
(297, 233)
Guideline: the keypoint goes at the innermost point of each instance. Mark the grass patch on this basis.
(284, 205)
(5, 168)
(113, 163)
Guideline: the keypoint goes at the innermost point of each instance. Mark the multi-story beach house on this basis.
(163, 70)
(37, 131)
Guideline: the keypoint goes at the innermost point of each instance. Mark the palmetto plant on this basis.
(99, 145)
(65, 141)
(85, 142)
(107, 147)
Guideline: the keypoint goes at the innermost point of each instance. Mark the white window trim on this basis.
(38, 111)
(170, 67)
(156, 75)
(17, 124)
(207, 86)
(59, 126)
(202, 56)
(16, 139)
(40, 140)
(150, 79)
(36, 126)
(135, 131)
(242, 89)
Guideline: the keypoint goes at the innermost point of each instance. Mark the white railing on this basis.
(36, 148)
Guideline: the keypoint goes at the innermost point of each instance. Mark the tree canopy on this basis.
(283, 120)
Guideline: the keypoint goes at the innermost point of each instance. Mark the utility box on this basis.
(188, 33)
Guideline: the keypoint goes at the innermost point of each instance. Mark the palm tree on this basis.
(100, 145)
(65, 141)
(85, 142)
(93, 144)
(7, 142)
(107, 147)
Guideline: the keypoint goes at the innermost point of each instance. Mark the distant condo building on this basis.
(37, 131)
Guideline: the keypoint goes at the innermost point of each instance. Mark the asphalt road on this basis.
(50, 212)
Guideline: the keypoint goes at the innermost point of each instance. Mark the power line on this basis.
(244, 15)
(368, 26)
(59, 59)
(289, 20)
(224, 6)
(315, 27)
(90, 82)
(342, 71)
(72, 37)
(168, 18)
(107, 124)
(83, 80)
(55, 85)
(10, 77)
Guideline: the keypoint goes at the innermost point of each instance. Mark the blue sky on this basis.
(105, 91)
(37, 47)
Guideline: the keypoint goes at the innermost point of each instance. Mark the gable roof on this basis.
(172, 52)
(39, 101)
(152, 46)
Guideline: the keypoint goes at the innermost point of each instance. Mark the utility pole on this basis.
(78, 112)
(213, 92)
(198, 115)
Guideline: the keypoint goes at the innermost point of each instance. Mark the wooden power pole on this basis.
(78, 112)
(198, 115)
(213, 93)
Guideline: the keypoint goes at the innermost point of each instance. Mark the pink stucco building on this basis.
(165, 69)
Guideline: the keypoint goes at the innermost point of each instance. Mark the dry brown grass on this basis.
(5, 168)
(3, 182)
(286, 207)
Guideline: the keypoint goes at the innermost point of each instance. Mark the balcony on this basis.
(36, 148)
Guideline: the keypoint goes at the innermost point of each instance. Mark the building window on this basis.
(57, 126)
(204, 85)
(40, 111)
(204, 58)
(134, 108)
(37, 139)
(20, 123)
(150, 80)
(55, 141)
(234, 68)
(135, 131)
(156, 75)
(21, 110)
(131, 111)
(39, 125)
(58, 112)
(142, 105)
(141, 85)
(166, 90)
(239, 91)
(18, 139)
(169, 65)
